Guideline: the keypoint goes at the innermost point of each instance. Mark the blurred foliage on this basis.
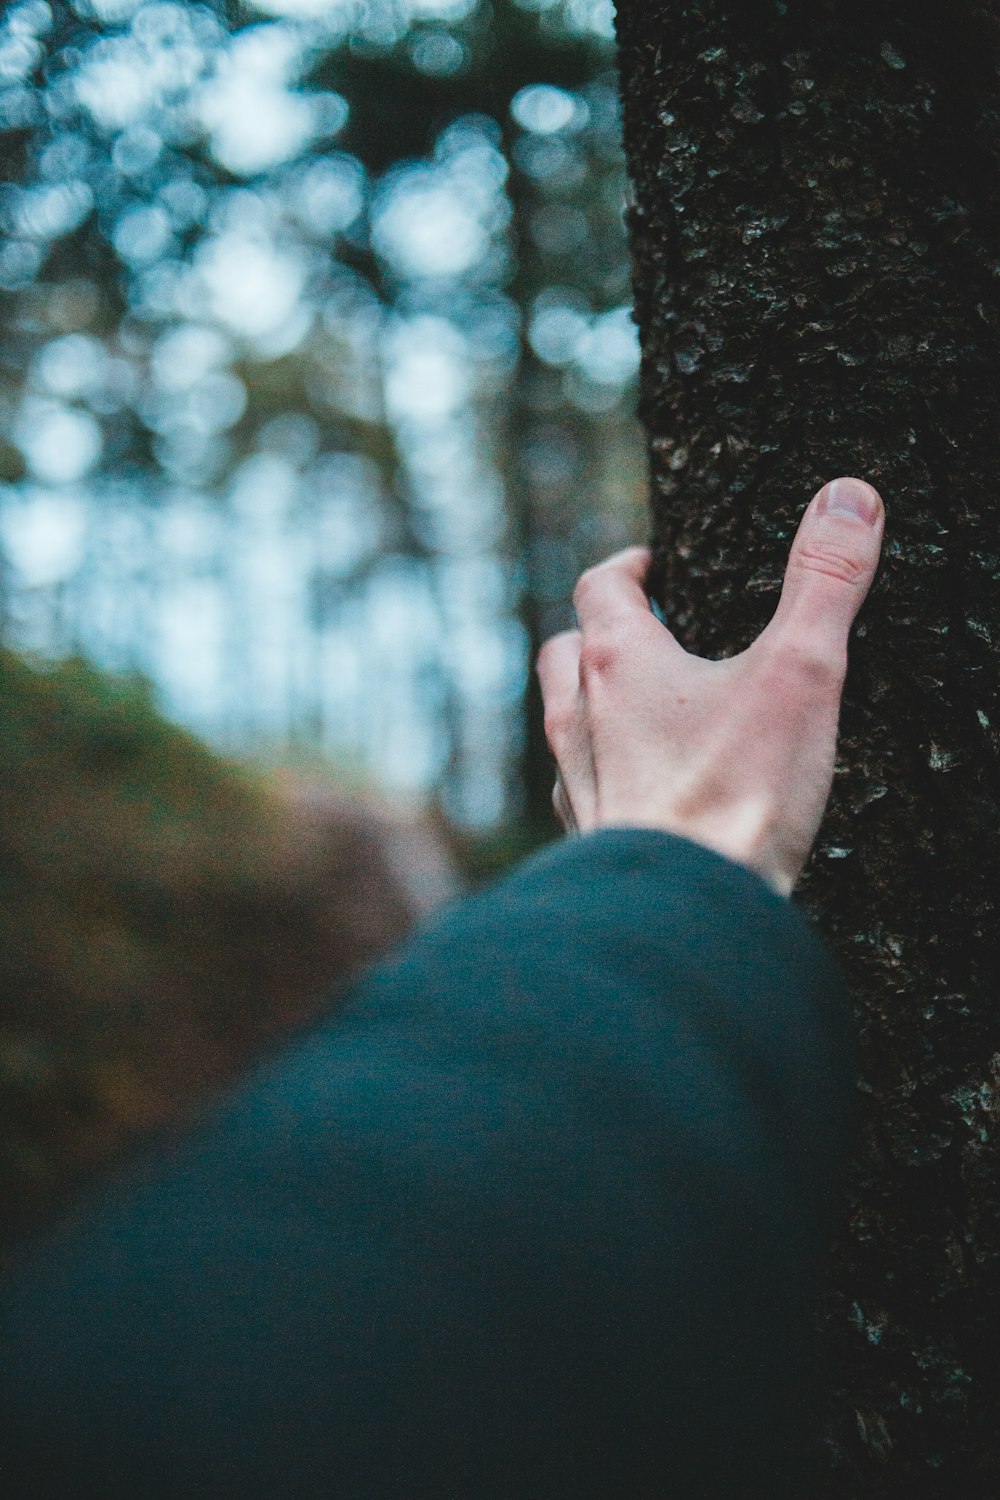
(322, 305)
(316, 394)
(162, 913)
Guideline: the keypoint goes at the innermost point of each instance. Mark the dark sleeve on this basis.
(538, 1212)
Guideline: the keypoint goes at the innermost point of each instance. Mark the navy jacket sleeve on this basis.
(538, 1211)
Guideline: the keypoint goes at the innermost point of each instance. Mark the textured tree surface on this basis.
(817, 270)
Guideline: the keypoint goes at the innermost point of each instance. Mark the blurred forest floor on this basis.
(167, 916)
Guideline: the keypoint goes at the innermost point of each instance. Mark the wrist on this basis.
(748, 834)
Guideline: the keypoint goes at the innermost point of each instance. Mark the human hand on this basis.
(737, 754)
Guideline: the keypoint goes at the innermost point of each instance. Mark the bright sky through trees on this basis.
(272, 387)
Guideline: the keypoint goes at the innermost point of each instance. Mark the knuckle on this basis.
(598, 657)
(558, 722)
(833, 562)
(810, 664)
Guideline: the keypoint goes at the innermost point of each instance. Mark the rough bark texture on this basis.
(817, 273)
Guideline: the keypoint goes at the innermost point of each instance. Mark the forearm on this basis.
(537, 1213)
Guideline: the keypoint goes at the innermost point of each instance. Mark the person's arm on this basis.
(538, 1213)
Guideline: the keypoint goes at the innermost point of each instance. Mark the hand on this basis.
(737, 754)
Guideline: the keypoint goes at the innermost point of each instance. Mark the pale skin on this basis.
(736, 755)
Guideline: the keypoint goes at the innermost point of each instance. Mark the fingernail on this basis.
(850, 497)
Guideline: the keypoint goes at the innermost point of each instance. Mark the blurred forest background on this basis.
(317, 393)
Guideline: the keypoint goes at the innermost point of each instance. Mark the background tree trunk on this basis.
(817, 277)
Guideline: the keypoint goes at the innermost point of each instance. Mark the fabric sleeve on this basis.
(538, 1211)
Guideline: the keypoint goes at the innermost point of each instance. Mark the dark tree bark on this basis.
(817, 278)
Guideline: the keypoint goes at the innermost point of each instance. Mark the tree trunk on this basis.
(817, 280)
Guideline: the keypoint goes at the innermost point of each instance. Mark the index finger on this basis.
(612, 596)
(613, 588)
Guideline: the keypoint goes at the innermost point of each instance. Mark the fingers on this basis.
(574, 796)
(830, 569)
(612, 589)
(614, 613)
(559, 677)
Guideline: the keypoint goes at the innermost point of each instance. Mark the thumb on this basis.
(830, 569)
